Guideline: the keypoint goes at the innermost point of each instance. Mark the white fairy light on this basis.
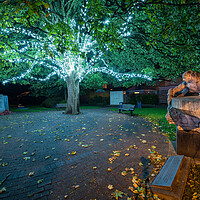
(66, 64)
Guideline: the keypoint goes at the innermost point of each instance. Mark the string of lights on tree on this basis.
(63, 64)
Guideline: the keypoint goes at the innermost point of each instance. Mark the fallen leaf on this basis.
(131, 188)
(109, 169)
(124, 173)
(127, 154)
(140, 164)
(2, 190)
(40, 181)
(76, 186)
(31, 174)
(3, 164)
(27, 158)
(73, 153)
(144, 141)
(47, 157)
(110, 187)
(118, 194)
(94, 167)
(24, 153)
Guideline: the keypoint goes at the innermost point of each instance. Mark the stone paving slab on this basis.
(40, 142)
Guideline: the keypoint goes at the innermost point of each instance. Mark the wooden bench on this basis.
(127, 107)
(60, 105)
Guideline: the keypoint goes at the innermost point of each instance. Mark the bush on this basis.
(145, 99)
(98, 100)
(51, 102)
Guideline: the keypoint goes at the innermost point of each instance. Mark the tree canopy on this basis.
(72, 39)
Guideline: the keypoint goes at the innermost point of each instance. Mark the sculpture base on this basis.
(179, 179)
(188, 143)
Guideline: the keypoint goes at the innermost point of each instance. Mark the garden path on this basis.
(69, 155)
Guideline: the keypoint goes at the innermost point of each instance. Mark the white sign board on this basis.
(2, 105)
(6, 102)
(116, 97)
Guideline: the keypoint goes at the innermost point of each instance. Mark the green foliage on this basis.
(145, 99)
(97, 80)
(157, 38)
(51, 102)
(98, 100)
(164, 39)
(51, 88)
(93, 81)
(175, 29)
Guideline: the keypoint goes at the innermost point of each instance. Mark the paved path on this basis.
(41, 142)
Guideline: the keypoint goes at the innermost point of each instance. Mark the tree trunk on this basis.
(73, 95)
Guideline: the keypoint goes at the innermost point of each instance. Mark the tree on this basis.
(67, 44)
(40, 58)
(169, 28)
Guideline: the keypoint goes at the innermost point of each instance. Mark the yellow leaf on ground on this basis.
(109, 169)
(110, 187)
(73, 153)
(47, 157)
(76, 186)
(140, 164)
(31, 174)
(2, 190)
(124, 173)
(40, 181)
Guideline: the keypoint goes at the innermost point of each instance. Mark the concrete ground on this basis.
(48, 155)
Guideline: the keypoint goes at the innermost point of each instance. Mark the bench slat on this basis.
(128, 107)
(61, 105)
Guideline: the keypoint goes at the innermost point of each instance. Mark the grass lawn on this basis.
(156, 116)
